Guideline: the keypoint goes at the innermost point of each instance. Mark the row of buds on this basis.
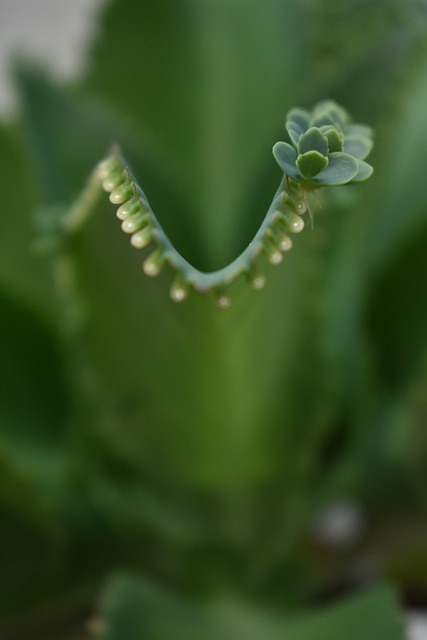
(134, 212)
(287, 219)
(135, 215)
(138, 221)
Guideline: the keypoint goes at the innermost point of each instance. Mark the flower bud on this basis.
(142, 238)
(179, 289)
(122, 193)
(153, 265)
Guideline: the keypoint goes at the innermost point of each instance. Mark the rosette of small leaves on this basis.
(327, 148)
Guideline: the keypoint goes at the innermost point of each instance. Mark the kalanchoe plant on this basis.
(328, 149)
(207, 454)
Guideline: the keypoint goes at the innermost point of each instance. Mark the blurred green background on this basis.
(177, 471)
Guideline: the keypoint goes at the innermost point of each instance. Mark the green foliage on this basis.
(138, 610)
(193, 447)
(328, 149)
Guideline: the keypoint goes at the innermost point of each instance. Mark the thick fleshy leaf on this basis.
(357, 146)
(365, 172)
(301, 117)
(313, 140)
(286, 157)
(357, 130)
(341, 169)
(294, 131)
(311, 163)
(333, 110)
(335, 138)
(323, 120)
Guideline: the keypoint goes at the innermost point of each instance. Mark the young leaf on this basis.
(313, 140)
(312, 163)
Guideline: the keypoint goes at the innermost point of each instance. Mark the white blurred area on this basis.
(417, 626)
(55, 32)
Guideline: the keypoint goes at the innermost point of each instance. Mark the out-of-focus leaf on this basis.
(33, 410)
(136, 610)
(33, 395)
(213, 92)
(353, 38)
(30, 539)
(398, 311)
(22, 273)
(69, 135)
(401, 203)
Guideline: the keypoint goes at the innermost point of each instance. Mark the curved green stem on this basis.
(138, 220)
(327, 150)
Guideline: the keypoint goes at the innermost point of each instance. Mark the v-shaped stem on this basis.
(138, 219)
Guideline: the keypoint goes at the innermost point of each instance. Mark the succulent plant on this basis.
(328, 149)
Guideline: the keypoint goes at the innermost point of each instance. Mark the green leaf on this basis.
(341, 169)
(331, 109)
(357, 146)
(322, 120)
(22, 272)
(286, 156)
(300, 117)
(313, 140)
(373, 615)
(33, 392)
(311, 163)
(357, 131)
(365, 172)
(401, 196)
(401, 340)
(335, 140)
(294, 131)
(211, 100)
(136, 610)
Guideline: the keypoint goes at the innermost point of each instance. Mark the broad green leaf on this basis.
(357, 147)
(397, 311)
(136, 610)
(30, 539)
(33, 393)
(402, 195)
(341, 169)
(22, 273)
(365, 172)
(213, 93)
